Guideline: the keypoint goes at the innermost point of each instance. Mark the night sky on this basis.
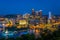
(25, 6)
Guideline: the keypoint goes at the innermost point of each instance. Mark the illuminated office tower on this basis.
(49, 17)
(17, 19)
(36, 16)
(37, 13)
(26, 15)
(40, 13)
(33, 12)
(53, 19)
(45, 17)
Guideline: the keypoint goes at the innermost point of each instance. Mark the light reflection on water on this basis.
(12, 34)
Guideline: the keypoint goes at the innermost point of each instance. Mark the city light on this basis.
(34, 23)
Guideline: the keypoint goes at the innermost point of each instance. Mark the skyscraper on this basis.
(40, 13)
(49, 17)
(33, 12)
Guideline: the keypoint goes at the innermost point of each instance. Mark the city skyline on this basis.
(23, 6)
(29, 19)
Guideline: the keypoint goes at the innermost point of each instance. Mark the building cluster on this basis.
(35, 20)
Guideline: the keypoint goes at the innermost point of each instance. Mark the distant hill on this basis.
(10, 16)
(15, 15)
